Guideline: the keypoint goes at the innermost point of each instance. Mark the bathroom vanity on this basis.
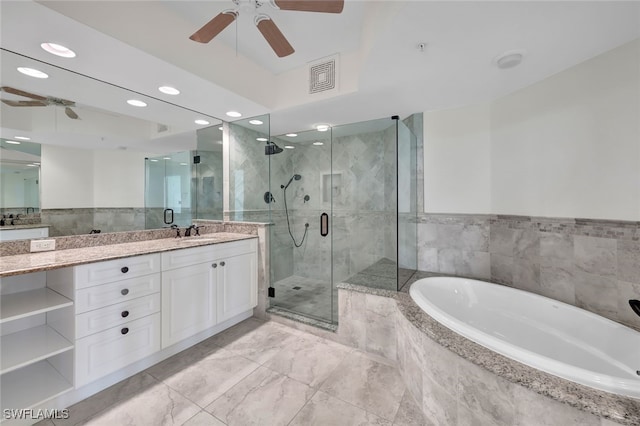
(73, 322)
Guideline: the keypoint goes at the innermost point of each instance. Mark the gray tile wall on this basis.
(591, 264)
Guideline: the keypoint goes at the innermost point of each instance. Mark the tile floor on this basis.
(256, 373)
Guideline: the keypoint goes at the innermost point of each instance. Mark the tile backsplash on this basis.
(592, 264)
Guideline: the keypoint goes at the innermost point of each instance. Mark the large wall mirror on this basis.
(76, 156)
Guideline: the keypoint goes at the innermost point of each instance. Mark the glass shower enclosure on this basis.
(343, 210)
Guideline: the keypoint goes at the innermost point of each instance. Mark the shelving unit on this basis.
(29, 346)
(27, 303)
(32, 385)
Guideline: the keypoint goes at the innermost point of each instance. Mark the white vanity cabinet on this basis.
(117, 307)
(204, 286)
(12, 234)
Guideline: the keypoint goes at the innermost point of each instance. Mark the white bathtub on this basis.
(543, 333)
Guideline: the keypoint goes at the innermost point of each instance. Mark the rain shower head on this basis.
(296, 177)
(271, 148)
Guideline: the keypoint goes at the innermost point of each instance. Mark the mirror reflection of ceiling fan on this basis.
(266, 26)
(37, 100)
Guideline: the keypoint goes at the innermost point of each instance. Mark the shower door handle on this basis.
(168, 219)
(324, 224)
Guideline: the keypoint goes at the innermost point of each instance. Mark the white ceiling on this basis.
(142, 44)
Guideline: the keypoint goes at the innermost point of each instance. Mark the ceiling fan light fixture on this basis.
(58, 50)
(168, 90)
(32, 72)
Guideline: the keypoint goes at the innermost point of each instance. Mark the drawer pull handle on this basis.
(124, 269)
(125, 314)
(124, 291)
(222, 263)
(125, 330)
(215, 265)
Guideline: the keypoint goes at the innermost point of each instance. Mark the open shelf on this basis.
(26, 303)
(31, 386)
(29, 346)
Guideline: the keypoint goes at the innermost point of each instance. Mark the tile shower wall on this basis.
(592, 264)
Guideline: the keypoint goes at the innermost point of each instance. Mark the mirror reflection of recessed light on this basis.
(32, 165)
(136, 103)
(37, 164)
(255, 122)
(58, 50)
(220, 128)
(183, 164)
(322, 127)
(234, 114)
(291, 135)
(289, 147)
(22, 138)
(13, 142)
(201, 122)
(262, 139)
(318, 143)
(166, 158)
(31, 72)
(168, 90)
(153, 160)
(219, 142)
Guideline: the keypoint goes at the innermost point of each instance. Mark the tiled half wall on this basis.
(592, 264)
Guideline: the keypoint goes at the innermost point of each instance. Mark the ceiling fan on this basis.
(37, 100)
(265, 24)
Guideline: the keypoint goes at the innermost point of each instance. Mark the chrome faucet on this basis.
(187, 232)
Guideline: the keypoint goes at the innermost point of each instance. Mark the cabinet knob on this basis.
(124, 269)
(124, 330)
(222, 263)
(125, 314)
(215, 265)
(124, 291)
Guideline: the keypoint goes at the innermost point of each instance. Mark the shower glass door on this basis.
(302, 187)
(168, 190)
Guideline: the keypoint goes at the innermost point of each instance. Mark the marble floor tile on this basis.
(409, 413)
(308, 359)
(204, 381)
(203, 419)
(368, 384)
(182, 360)
(323, 409)
(157, 405)
(262, 398)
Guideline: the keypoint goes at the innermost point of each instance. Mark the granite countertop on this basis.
(26, 226)
(44, 261)
(621, 409)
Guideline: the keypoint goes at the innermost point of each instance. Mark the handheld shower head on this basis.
(296, 177)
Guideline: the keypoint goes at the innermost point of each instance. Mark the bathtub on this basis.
(542, 333)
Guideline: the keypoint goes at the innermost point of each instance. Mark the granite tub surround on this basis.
(592, 264)
(37, 262)
(458, 382)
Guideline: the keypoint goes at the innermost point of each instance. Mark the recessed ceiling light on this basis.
(292, 135)
(318, 143)
(289, 147)
(136, 103)
(22, 138)
(509, 59)
(31, 72)
(255, 122)
(234, 114)
(166, 158)
(201, 122)
(153, 160)
(322, 127)
(168, 90)
(58, 50)
(13, 142)
(262, 139)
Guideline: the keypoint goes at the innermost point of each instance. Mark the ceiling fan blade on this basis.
(23, 93)
(23, 103)
(70, 113)
(274, 37)
(214, 26)
(324, 6)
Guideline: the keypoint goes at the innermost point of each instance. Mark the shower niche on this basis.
(331, 184)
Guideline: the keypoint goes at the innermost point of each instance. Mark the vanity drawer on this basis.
(100, 296)
(192, 256)
(101, 319)
(110, 350)
(114, 270)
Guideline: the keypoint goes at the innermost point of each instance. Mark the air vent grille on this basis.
(322, 75)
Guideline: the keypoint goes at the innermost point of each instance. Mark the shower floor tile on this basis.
(308, 381)
(307, 296)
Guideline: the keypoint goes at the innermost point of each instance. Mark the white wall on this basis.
(568, 146)
(457, 160)
(77, 178)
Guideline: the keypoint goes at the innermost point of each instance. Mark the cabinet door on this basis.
(237, 285)
(188, 301)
